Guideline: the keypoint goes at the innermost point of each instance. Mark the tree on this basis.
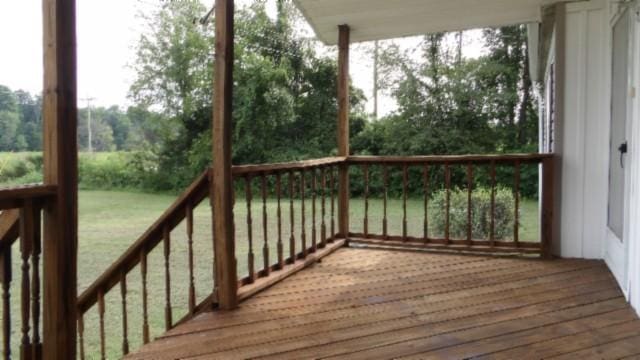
(10, 139)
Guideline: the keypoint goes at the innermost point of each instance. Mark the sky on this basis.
(108, 31)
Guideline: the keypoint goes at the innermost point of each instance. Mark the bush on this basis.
(480, 214)
(20, 168)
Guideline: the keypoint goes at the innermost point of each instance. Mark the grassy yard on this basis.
(111, 221)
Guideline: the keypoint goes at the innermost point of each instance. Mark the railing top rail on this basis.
(244, 170)
(13, 197)
(197, 192)
(9, 220)
(450, 158)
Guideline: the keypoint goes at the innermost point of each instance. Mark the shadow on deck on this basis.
(370, 304)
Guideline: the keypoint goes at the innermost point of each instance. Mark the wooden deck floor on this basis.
(380, 304)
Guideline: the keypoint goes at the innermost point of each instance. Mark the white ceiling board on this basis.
(387, 19)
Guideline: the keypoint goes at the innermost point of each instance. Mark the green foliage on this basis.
(480, 213)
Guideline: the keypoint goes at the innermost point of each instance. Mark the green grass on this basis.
(109, 222)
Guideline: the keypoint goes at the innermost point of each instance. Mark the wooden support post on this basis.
(60, 150)
(221, 177)
(547, 207)
(343, 130)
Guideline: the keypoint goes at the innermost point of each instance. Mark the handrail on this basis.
(193, 196)
(451, 159)
(281, 167)
(14, 197)
(9, 228)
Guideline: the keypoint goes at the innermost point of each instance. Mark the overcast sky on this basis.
(108, 31)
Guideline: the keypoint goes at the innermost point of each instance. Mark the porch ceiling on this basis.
(385, 19)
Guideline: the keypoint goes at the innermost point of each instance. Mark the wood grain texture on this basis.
(381, 304)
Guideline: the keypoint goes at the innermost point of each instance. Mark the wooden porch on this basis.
(379, 304)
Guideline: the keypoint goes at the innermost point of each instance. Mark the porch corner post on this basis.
(221, 192)
(60, 156)
(343, 130)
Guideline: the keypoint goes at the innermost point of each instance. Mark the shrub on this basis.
(480, 214)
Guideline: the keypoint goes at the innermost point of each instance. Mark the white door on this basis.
(617, 244)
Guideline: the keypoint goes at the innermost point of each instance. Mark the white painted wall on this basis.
(585, 135)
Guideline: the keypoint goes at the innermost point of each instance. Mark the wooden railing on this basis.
(136, 256)
(302, 218)
(436, 173)
(20, 219)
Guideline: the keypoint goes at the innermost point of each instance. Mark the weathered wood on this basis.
(222, 178)
(265, 232)
(60, 157)
(365, 225)
(547, 207)
(14, 197)
(516, 197)
(469, 204)
(333, 202)
(168, 316)
(323, 211)
(425, 186)
(27, 239)
(343, 129)
(447, 216)
(303, 218)
(385, 200)
(36, 252)
(103, 351)
(81, 335)
(9, 228)
(405, 194)
(314, 229)
(492, 229)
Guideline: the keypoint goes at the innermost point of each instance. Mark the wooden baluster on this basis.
(447, 226)
(425, 227)
(192, 285)
(125, 324)
(35, 282)
(5, 274)
(365, 170)
(492, 235)
(103, 351)
(405, 181)
(27, 239)
(385, 200)
(250, 258)
(333, 204)
(469, 192)
(292, 238)
(265, 232)
(314, 229)
(168, 318)
(145, 312)
(81, 335)
(279, 212)
(303, 233)
(516, 196)
(323, 225)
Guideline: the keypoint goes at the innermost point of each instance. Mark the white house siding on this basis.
(585, 132)
(634, 211)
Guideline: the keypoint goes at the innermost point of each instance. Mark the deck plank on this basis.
(375, 304)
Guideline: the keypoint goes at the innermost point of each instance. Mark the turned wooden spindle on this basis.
(27, 239)
(81, 335)
(385, 200)
(292, 238)
(516, 197)
(265, 230)
(405, 190)
(250, 255)
(447, 219)
(333, 203)
(168, 318)
(125, 322)
(35, 282)
(323, 211)
(314, 185)
(425, 180)
(365, 225)
(145, 307)
(492, 231)
(303, 225)
(103, 354)
(192, 285)
(469, 204)
(5, 275)
(280, 247)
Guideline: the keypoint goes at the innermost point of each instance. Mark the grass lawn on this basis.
(111, 221)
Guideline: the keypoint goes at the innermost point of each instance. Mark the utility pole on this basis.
(375, 79)
(459, 35)
(89, 138)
